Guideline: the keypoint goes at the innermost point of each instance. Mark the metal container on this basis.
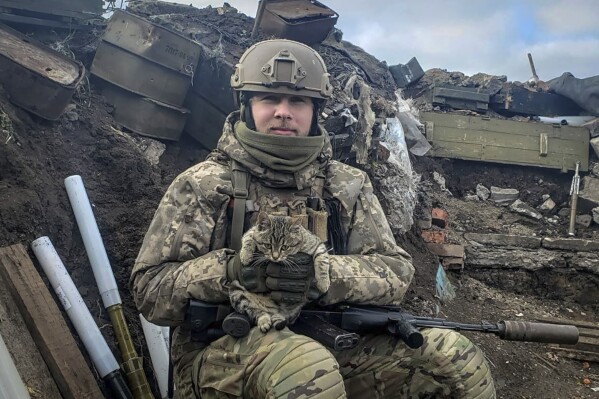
(145, 58)
(70, 8)
(205, 122)
(143, 115)
(36, 77)
(136, 74)
(213, 82)
(301, 20)
(506, 141)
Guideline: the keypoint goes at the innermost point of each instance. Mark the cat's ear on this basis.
(263, 221)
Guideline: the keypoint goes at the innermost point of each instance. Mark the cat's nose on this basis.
(275, 255)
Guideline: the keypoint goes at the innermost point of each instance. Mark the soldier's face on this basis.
(281, 114)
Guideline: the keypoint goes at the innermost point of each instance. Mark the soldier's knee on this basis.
(455, 357)
(299, 367)
(275, 365)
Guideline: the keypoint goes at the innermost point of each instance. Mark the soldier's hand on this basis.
(251, 276)
(293, 280)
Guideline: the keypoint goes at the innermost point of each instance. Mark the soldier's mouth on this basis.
(281, 131)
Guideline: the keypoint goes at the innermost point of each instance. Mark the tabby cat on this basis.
(273, 239)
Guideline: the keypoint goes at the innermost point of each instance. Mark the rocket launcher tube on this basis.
(158, 353)
(92, 241)
(79, 314)
(132, 364)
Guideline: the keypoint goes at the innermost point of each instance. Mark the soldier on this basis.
(273, 155)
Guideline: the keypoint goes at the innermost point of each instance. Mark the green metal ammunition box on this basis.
(482, 138)
(461, 97)
(72, 8)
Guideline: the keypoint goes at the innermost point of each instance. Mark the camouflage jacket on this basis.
(183, 254)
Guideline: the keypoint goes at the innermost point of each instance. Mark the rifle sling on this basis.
(241, 182)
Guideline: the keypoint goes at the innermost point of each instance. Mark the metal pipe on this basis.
(132, 364)
(574, 188)
(79, 314)
(11, 384)
(532, 68)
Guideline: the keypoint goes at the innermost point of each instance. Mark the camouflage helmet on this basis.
(283, 67)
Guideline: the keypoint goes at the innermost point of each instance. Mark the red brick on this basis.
(439, 217)
(435, 236)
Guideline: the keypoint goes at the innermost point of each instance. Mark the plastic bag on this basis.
(417, 143)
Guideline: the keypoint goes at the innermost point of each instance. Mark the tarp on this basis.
(584, 92)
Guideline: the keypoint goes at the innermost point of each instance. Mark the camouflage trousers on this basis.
(281, 364)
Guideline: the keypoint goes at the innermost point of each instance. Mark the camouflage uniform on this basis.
(184, 256)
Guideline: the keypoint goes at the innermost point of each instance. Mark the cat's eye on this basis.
(266, 245)
(284, 247)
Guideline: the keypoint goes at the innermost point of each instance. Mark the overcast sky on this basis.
(470, 35)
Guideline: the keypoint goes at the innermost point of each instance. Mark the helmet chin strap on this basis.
(318, 106)
(245, 110)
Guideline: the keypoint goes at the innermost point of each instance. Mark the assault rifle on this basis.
(340, 327)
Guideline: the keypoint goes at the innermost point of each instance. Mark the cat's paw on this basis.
(245, 257)
(264, 323)
(278, 322)
(323, 284)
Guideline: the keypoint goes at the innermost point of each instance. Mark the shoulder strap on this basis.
(241, 182)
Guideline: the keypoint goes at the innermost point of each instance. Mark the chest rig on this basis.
(320, 216)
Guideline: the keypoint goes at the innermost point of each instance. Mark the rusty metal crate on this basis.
(136, 74)
(205, 122)
(302, 20)
(152, 42)
(70, 8)
(36, 77)
(146, 58)
(143, 115)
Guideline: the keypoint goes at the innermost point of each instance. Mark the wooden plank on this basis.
(577, 323)
(587, 332)
(47, 326)
(590, 344)
(27, 358)
(576, 354)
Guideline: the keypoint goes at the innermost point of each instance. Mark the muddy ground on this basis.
(125, 186)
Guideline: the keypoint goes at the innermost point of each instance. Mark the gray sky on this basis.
(470, 35)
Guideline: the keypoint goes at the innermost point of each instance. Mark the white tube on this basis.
(166, 333)
(92, 241)
(569, 120)
(158, 353)
(11, 384)
(72, 302)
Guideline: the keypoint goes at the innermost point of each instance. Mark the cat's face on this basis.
(278, 236)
